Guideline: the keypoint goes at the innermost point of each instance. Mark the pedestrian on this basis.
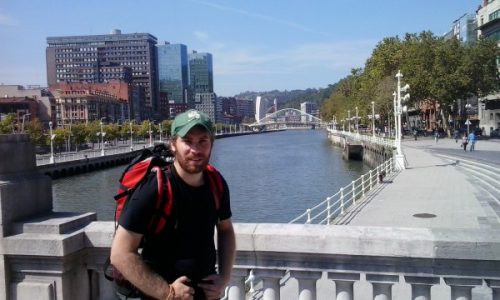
(436, 135)
(472, 140)
(179, 263)
(465, 141)
(455, 135)
(415, 134)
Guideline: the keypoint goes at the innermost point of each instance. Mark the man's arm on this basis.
(226, 248)
(214, 284)
(125, 258)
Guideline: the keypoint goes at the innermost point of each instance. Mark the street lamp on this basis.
(131, 137)
(357, 126)
(160, 131)
(373, 118)
(467, 122)
(150, 135)
(398, 111)
(102, 139)
(22, 126)
(349, 118)
(52, 136)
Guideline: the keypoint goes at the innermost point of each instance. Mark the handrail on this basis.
(337, 204)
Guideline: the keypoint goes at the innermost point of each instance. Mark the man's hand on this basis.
(182, 290)
(213, 286)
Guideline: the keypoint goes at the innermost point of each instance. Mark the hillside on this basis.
(293, 98)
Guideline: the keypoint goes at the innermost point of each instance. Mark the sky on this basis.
(258, 45)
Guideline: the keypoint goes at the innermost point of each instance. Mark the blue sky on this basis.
(257, 45)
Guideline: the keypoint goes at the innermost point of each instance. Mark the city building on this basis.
(173, 72)
(99, 58)
(45, 100)
(261, 108)
(309, 108)
(85, 102)
(207, 103)
(488, 22)
(201, 77)
(24, 108)
(463, 29)
(229, 113)
(245, 109)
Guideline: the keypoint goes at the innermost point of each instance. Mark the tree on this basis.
(35, 132)
(78, 134)
(7, 124)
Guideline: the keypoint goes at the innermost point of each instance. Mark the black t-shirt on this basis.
(186, 245)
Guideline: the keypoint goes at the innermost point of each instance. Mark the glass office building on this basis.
(173, 72)
(201, 78)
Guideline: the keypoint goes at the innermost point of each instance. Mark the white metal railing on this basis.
(364, 137)
(337, 204)
(70, 156)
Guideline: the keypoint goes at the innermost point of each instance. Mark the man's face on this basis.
(192, 151)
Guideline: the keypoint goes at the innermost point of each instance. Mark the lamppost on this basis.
(52, 136)
(131, 137)
(349, 118)
(22, 126)
(357, 126)
(373, 118)
(102, 139)
(467, 122)
(150, 135)
(159, 124)
(398, 112)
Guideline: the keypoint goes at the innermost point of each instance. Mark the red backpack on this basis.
(154, 161)
(158, 161)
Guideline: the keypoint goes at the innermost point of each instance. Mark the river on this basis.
(272, 177)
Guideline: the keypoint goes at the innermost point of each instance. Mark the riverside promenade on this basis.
(442, 187)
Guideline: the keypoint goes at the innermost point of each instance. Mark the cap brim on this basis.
(186, 128)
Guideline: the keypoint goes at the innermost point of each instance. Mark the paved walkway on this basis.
(436, 190)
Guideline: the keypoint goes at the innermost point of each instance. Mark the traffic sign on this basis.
(467, 122)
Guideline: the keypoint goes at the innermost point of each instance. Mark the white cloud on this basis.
(7, 20)
(201, 36)
(309, 57)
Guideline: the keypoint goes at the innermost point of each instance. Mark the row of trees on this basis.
(436, 70)
(79, 134)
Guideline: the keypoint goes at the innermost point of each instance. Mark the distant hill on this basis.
(293, 98)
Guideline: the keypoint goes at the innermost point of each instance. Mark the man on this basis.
(180, 262)
(472, 140)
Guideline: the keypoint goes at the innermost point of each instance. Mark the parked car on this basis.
(495, 134)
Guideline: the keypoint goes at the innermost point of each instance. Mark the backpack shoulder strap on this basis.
(216, 185)
(163, 201)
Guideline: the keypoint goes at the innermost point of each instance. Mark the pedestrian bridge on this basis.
(288, 118)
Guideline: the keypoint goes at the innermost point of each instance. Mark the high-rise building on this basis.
(207, 103)
(463, 29)
(488, 17)
(261, 108)
(98, 58)
(201, 77)
(173, 72)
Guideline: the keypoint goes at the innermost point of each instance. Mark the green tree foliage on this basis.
(7, 124)
(78, 135)
(436, 70)
(35, 130)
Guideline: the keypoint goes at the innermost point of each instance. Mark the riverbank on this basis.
(441, 187)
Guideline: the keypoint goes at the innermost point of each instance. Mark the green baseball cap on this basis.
(187, 120)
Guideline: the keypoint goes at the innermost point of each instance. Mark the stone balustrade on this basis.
(48, 256)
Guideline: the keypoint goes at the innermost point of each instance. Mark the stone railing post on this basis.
(461, 288)
(270, 283)
(495, 287)
(344, 284)
(237, 284)
(382, 285)
(307, 283)
(421, 286)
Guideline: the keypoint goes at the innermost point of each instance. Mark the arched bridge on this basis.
(288, 118)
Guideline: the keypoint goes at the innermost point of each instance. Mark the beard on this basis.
(192, 164)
